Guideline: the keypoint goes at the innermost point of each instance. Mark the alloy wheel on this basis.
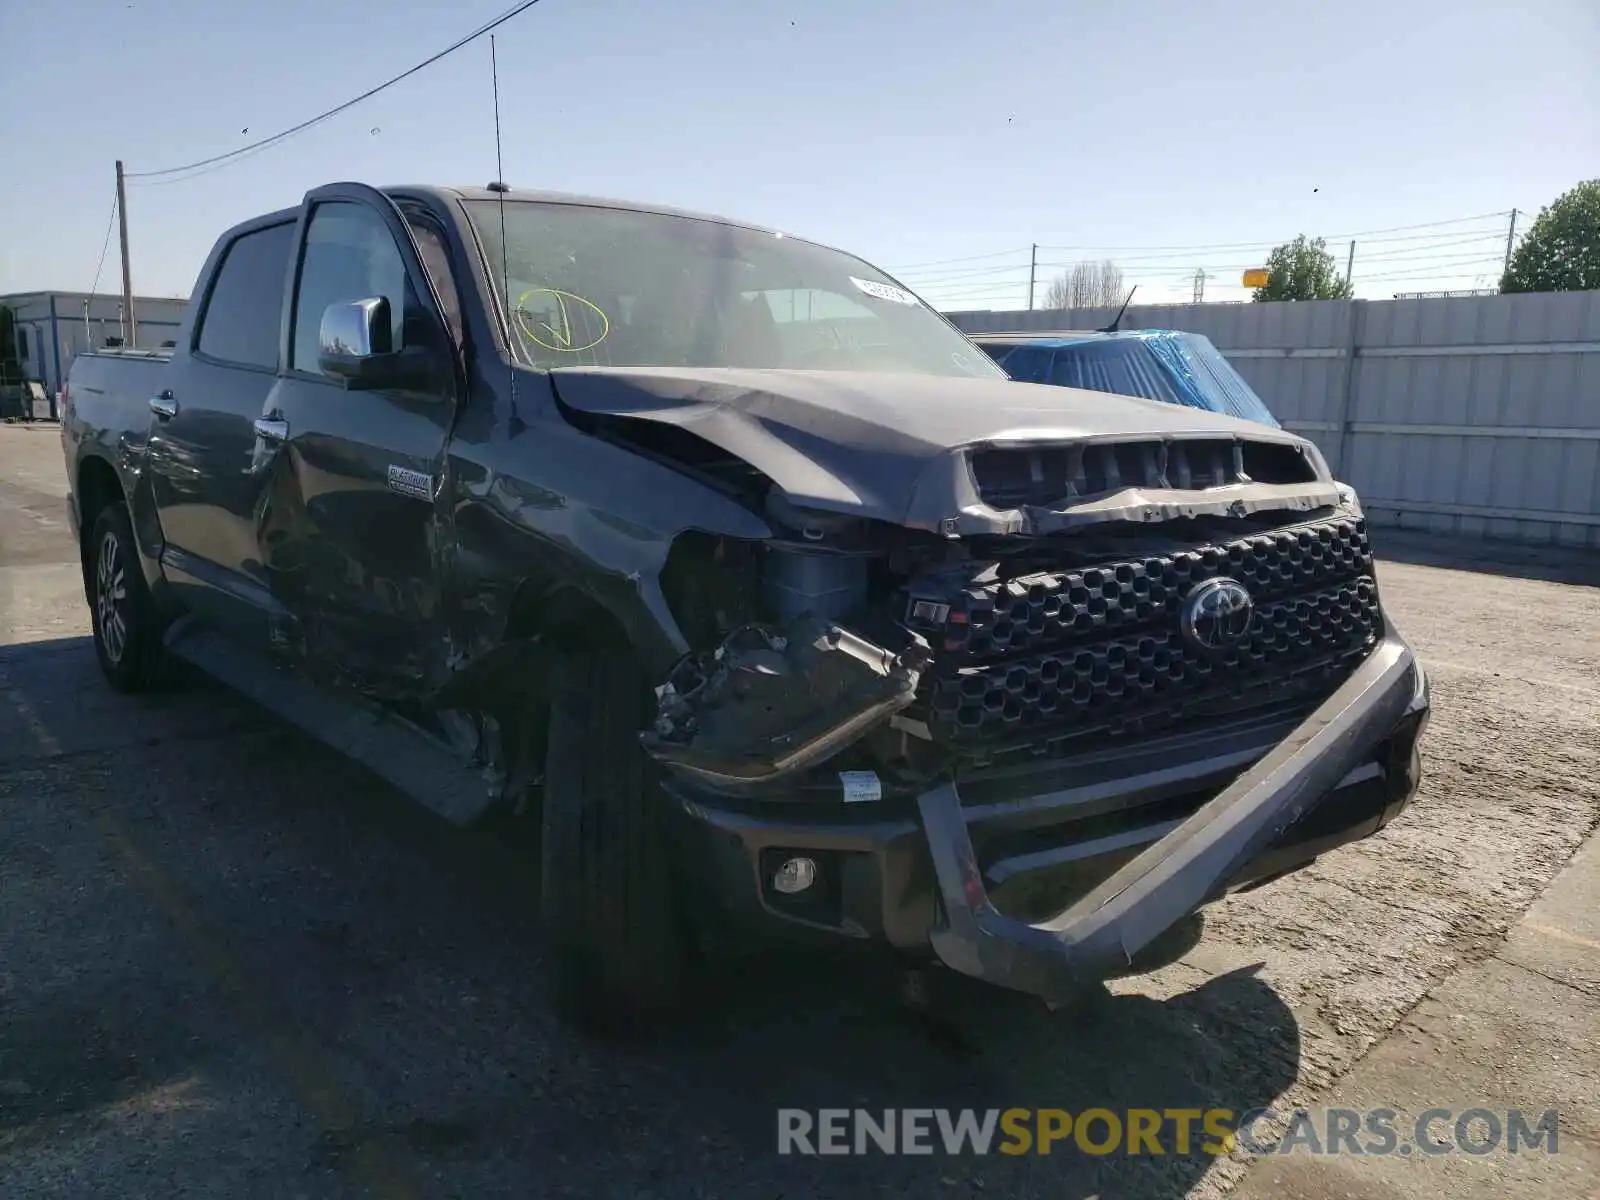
(111, 598)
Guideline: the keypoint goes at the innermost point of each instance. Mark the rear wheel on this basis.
(618, 945)
(127, 634)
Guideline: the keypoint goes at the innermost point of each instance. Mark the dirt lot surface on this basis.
(232, 964)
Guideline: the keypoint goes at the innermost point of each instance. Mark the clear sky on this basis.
(909, 131)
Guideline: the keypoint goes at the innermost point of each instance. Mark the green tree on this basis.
(1303, 270)
(1562, 250)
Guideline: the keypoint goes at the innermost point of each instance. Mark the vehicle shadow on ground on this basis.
(833, 1037)
(799, 1029)
(1515, 560)
(367, 919)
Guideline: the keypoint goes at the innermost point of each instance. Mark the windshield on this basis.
(622, 288)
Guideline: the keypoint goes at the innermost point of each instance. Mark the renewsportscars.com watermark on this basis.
(1182, 1131)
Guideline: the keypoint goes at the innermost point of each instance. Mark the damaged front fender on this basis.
(766, 705)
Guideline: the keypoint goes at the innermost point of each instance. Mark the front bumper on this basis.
(1153, 833)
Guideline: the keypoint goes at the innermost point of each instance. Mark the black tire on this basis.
(619, 950)
(127, 632)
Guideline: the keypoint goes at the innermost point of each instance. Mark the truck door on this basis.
(202, 438)
(351, 516)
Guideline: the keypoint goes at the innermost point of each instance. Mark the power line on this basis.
(967, 291)
(1121, 251)
(1442, 261)
(1000, 273)
(980, 289)
(243, 154)
(1176, 266)
(947, 284)
(1496, 236)
(1399, 243)
(1217, 277)
(1425, 225)
(1366, 233)
(999, 285)
(1444, 249)
(1020, 278)
(1178, 259)
(263, 143)
(964, 273)
(104, 246)
(1146, 264)
(1484, 266)
(940, 262)
(1406, 238)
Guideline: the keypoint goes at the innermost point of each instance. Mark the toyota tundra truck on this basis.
(727, 562)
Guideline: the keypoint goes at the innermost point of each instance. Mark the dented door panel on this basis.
(349, 549)
(350, 509)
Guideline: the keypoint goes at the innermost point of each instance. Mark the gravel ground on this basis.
(233, 964)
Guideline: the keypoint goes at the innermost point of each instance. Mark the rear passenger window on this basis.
(240, 324)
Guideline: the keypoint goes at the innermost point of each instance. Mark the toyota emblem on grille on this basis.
(1217, 614)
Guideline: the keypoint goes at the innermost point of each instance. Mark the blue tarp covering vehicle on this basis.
(1158, 364)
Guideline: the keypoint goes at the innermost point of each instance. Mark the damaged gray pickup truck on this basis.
(725, 559)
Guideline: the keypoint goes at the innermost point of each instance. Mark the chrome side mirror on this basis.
(356, 346)
(354, 329)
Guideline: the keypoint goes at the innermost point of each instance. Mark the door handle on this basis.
(164, 406)
(272, 429)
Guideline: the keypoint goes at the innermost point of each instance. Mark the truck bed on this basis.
(111, 389)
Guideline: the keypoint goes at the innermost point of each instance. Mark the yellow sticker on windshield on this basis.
(560, 321)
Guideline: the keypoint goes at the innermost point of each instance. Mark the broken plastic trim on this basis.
(766, 705)
(1144, 506)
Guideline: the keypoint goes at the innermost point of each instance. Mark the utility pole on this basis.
(1033, 274)
(127, 271)
(1199, 284)
(1350, 263)
(1511, 236)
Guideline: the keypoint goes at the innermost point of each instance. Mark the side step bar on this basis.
(427, 771)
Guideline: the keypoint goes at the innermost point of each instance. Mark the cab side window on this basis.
(349, 255)
(242, 314)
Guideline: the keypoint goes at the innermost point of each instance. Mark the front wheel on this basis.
(127, 634)
(618, 947)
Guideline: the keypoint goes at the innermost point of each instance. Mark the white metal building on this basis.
(52, 328)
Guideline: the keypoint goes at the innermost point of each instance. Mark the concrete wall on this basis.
(1474, 415)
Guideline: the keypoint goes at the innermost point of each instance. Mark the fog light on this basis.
(794, 876)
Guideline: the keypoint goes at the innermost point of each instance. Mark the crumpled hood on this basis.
(888, 446)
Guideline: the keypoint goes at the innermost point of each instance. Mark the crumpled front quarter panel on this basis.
(542, 503)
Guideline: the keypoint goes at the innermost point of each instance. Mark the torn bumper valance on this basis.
(766, 704)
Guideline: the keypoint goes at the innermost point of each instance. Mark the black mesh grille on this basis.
(1125, 676)
(1002, 618)
(1048, 653)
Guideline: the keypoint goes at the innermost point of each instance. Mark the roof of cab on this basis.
(514, 196)
(446, 195)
